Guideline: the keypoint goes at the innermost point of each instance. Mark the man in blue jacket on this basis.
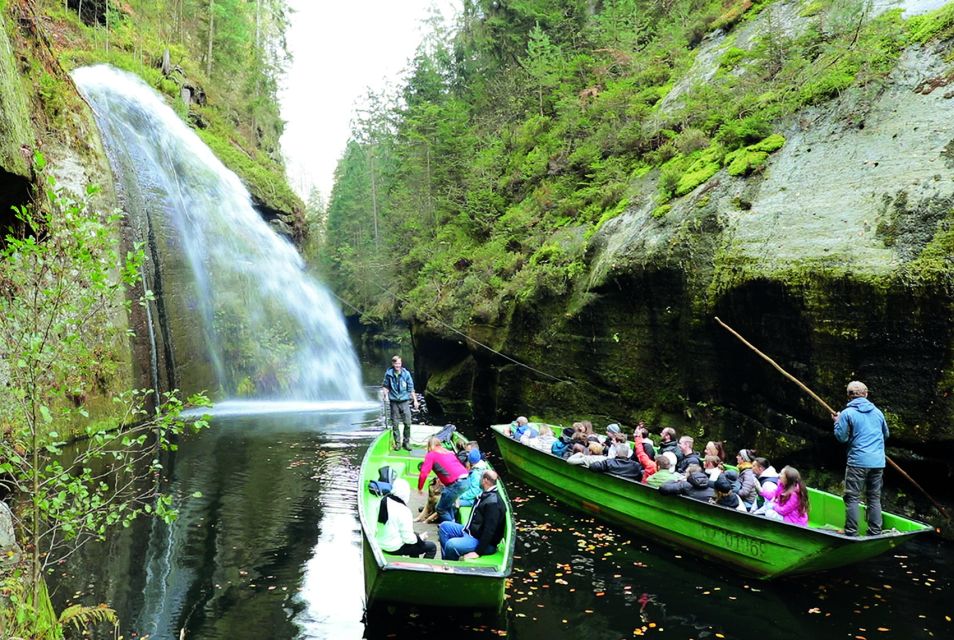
(398, 388)
(862, 426)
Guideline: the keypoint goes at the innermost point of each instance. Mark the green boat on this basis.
(752, 544)
(472, 584)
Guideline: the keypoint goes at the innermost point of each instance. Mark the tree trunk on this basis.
(208, 60)
(374, 199)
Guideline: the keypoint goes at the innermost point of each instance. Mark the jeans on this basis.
(455, 542)
(401, 412)
(445, 506)
(872, 481)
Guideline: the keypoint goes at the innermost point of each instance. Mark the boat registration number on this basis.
(735, 541)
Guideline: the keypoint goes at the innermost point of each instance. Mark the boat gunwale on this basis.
(443, 567)
(802, 530)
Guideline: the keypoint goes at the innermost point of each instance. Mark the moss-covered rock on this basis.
(17, 138)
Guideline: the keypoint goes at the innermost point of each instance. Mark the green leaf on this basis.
(196, 494)
(45, 413)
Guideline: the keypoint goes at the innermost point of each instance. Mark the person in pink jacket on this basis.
(450, 472)
(789, 498)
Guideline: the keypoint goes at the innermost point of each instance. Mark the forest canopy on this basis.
(526, 125)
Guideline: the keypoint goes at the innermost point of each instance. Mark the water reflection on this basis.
(266, 535)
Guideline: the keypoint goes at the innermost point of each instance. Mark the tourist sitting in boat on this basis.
(484, 528)
(766, 476)
(688, 455)
(451, 473)
(715, 449)
(563, 445)
(543, 441)
(669, 443)
(613, 431)
(664, 472)
(395, 533)
(639, 452)
(520, 426)
(593, 454)
(748, 483)
(713, 467)
(790, 498)
(476, 467)
(724, 495)
(463, 453)
(618, 446)
(695, 485)
(643, 432)
(627, 468)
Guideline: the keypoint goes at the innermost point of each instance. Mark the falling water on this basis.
(243, 317)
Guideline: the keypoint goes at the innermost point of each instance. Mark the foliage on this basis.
(63, 281)
(232, 51)
(521, 131)
(937, 24)
(744, 161)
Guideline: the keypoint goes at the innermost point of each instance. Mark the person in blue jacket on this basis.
(398, 388)
(862, 426)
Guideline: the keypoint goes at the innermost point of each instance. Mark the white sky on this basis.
(339, 50)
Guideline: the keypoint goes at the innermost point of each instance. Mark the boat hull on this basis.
(413, 584)
(752, 545)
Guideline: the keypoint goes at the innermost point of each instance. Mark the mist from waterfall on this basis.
(267, 329)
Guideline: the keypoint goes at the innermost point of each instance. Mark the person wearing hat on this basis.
(724, 496)
(862, 426)
(748, 483)
(616, 445)
(476, 467)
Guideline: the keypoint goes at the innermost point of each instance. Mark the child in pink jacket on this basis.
(790, 498)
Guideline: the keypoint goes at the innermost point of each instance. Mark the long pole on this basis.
(828, 408)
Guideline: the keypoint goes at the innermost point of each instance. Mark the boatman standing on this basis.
(399, 391)
(862, 426)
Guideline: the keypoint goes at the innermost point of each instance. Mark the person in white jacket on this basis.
(395, 525)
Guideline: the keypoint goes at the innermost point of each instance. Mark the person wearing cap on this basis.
(477, 466)
(863, 427)
(724, 496)
(748, 483)
(616, 445)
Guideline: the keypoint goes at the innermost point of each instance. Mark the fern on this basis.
(80, 616)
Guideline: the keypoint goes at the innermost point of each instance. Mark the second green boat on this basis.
(752, 544)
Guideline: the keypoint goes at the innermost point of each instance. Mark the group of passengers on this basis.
(675, 468)
(468, 484)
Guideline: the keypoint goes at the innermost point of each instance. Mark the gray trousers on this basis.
(871, 481)
(401, 412)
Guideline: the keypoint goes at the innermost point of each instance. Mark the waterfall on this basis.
(243, 317)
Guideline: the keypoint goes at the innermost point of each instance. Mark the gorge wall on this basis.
(835, 259)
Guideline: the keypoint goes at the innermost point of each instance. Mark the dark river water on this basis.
(267, 545)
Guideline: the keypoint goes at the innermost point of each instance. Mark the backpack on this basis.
(382, 486)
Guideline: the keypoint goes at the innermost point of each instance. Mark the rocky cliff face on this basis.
(836, 260)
